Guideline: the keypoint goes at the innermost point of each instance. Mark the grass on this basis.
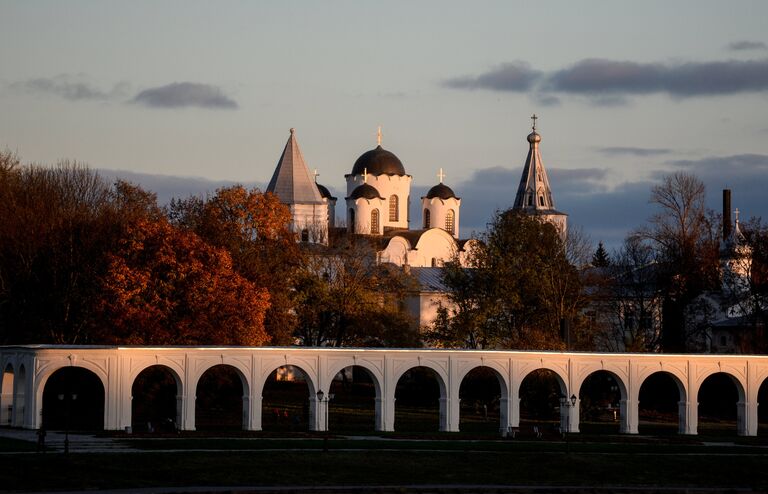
(276, 468)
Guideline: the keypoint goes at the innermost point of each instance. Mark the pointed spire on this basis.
(292, 181)
(534, 192)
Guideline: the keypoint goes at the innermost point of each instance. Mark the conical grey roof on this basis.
(292, 183)
(534, 193)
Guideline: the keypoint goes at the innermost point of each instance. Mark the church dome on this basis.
(534, 137)
(324, 192)
(441, 191)
(365, 191)
(378, 161)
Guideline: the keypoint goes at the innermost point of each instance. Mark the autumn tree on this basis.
(344, 297)
(164, 285)
(521, 283)
(254, 228)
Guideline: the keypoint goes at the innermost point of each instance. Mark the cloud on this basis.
(72, 88)
(633, 151)
(747, 45)
(515, 76)
(599, 76)
(185, 94)
(609, 82)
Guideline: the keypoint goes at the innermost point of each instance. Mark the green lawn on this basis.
(231, 468)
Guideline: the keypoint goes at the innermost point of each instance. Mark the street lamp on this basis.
(323, 398)
(67, 399)
(567, 404)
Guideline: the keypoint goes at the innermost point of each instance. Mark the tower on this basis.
(534, 195)
(440, 208)
(378, 192)
(293, 184)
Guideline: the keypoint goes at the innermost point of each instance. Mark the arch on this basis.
(221, 398)
(427, 218)
(156, 399)
(20, 396)
(6, 396)
(288, 399)
(719, 397)
(352, 221)
(539, 392)
(762, 411)
(394, 208)
(415, 399)
(480, 400)
(354, 396)
(660, 395)
(73, 399)
(562, 378)
(450, 222)
(374, 221)
(602, 400)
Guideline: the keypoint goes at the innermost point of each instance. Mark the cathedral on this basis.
(378, 196)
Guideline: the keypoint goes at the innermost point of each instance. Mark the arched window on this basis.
(394, 210)
(305, 235)
(352, 221)
(374, 221)
(450, 222)
(426, 219)
(541, 200)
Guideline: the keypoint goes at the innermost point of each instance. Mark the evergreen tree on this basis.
(600, 258)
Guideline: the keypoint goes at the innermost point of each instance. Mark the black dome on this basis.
(378, 161)
(366, 192)
(324, 192)
(441, 191)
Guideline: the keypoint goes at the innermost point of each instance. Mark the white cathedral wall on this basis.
(363, 209)
(312, 217)
(387, 185)
(438, 210)
(435, 244)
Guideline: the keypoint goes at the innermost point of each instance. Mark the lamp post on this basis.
(67, 398)
(567, 404)
(324, 399)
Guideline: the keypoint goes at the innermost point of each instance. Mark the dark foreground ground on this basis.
(434, 463)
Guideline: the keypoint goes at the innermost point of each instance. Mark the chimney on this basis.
(726, 214)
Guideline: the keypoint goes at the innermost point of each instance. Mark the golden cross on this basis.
(441, 175)
(378, 136)
(534, 118)
(736, 212)
(365, 175)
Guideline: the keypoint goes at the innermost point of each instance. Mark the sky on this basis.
(183, 97)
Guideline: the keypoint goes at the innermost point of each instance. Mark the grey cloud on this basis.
(546, 99)
(633, 151)
(515, 76)
(185, 94)
(595, 76)
(72, 88)
(747, 45)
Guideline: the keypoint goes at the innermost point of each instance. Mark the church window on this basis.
(374, 221)
(426, 218)
(530, 199)
(393, 208)
(352, 221)
(305, 235)
(450, 222)
(541, 200)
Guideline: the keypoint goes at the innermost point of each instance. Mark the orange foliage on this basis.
(165, 285)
